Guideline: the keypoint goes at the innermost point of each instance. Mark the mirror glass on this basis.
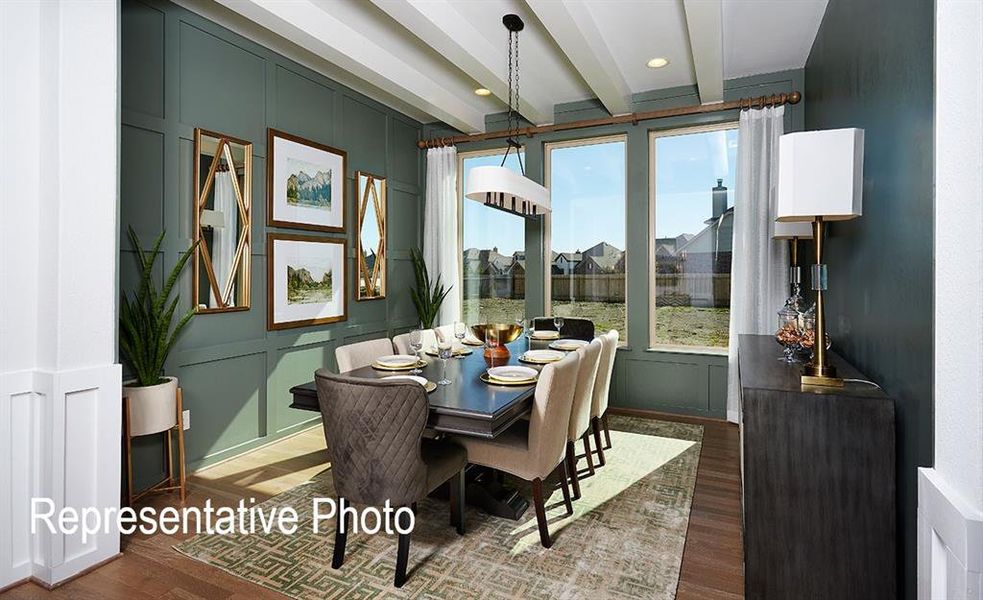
(223, 215)
(371, 194)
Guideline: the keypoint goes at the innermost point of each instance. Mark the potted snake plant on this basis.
(427, 295)
(146, 337)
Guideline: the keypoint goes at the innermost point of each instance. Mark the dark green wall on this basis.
(871, 66)
(680, 382)
(180, 71)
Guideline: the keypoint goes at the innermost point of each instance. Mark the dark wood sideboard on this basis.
(819, 489)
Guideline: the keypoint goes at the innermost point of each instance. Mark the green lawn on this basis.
(675, 325)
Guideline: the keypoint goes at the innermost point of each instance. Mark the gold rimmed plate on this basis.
(541, 357)
(468, 342)
(419, 365)
(428, 385)
(568, 345)
(457, 352)
(484, 377)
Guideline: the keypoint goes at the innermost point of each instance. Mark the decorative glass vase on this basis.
(789, 333)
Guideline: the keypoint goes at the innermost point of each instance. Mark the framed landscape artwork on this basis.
(306, 281)
(305, 184)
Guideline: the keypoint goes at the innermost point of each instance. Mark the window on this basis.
(692, 177)
(587, 231)
(493, 263)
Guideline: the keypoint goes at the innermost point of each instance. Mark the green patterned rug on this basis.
(624, 540)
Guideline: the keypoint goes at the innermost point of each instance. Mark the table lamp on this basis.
(793, 232)
(820, 179)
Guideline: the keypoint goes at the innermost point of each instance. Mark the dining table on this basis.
(467, 406)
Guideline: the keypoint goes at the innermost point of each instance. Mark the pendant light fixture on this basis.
(500, 187)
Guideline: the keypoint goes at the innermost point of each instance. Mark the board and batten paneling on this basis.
(181, 71)
(644, 378)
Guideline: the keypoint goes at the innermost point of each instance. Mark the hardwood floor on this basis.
(712, 560)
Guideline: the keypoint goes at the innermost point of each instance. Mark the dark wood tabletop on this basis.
(468, 406)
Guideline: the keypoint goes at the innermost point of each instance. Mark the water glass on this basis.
(445, 350)
(416, 343)
(558, 323)
(460, 331)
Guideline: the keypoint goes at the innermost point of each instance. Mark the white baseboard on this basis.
(59, 439)
(950, 541)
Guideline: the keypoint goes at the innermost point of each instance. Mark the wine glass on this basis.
(416, 342)
(460, 330)
(445, 350)
(558, 323)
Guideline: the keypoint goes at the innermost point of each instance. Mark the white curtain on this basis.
(759, 271)
(224, 238)
(440, 250)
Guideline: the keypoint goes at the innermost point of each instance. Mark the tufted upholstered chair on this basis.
(533, 449)
(573, 328)
(374, 432)
(580, 412)
(602, 388)
(362, 354)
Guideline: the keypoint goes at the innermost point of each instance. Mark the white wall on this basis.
(950, 495)
(59, 384)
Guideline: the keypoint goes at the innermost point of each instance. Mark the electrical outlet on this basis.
(186, 419)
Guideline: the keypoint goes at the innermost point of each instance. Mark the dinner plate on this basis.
(512, 375)
(484, 377)
(473, 342)
(428, 385)
(568, 345)
(457, 351)
(541, 357)
(545, 335)
(397, 360)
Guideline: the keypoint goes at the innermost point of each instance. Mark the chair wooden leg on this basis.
(129, 451)
(588, 453)
(607, 431)
(565, 487)
(572, 470)
(457, 501)
(402, 557)
(596, 427)
(340, 537)
(180, 444)
(540, 502)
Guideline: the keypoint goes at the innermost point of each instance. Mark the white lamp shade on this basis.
(511, 188)
(788, 231)
(820, 174)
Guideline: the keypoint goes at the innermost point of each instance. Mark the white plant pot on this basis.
(153, 408)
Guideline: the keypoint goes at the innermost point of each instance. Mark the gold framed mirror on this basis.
(371, 235)
(223, 219)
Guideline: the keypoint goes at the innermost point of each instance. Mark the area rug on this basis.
(624, 540)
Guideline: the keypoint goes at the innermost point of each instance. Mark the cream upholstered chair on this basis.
(402, 341)
(580, 412)
(533, 449)
(362, 354)
(602, 387)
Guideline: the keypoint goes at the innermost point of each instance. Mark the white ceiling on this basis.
(426, 57)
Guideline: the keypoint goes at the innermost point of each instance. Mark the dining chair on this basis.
(533, 449)
(602, 388)
(402, 341)
(580, 412)
(573, 328)
(361, 354)
(374, 432)
(445, 333)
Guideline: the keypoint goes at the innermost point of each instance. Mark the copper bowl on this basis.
(495, 335)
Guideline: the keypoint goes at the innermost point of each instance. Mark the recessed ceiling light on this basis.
(483, 92)
(657, 63)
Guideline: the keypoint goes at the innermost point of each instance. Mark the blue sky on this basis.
(588, 192)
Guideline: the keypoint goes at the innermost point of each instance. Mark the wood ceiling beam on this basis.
(704, 20)
(572, 27)
(327, 36)
(439, 25)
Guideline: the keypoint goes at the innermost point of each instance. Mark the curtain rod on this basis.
(633, 118)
